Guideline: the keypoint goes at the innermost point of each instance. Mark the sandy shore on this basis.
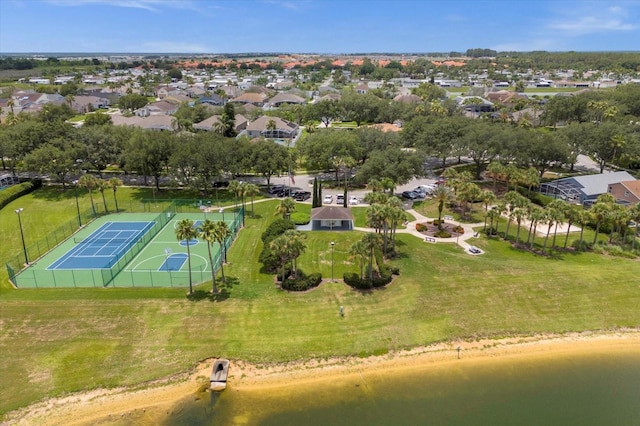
(111, 405)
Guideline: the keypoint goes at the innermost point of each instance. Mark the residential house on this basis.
(157, 108)
(583, 189)
(213, 100)
(408, 99)
(362, 89)
(626, 192)
(286, 98)
(257, 99)
(153, 122)
(283, 129)
(210, 123)
(84, 104)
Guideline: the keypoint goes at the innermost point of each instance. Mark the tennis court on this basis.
(131, 250)
(104, 247)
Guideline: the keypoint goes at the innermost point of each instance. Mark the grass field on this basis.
(63, 340)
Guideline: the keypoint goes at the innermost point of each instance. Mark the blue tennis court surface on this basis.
(104, 247)
(174, 262)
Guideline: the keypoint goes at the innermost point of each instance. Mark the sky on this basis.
(317, 26)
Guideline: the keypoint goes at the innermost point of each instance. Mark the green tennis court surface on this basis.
(151, 256)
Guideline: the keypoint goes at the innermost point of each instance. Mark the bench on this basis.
(430, 239)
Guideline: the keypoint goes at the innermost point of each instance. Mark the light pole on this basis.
(24, 247)
(75, 187)
(332, 245)
(222, 213)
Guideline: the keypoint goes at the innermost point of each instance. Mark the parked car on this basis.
(410, 195)
(339, 199)
(286, 192)
(221, 184)
(302, 195)
(353, 201)
(275, 189)
(327, 199)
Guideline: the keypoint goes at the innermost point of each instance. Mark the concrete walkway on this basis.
(461, 240)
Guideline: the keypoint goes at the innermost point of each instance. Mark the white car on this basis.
(327, 199)
(339, 199)
(353, 201)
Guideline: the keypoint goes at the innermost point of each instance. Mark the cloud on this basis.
(291, 5)
(611, 19)
(151, 5)
(173, 47)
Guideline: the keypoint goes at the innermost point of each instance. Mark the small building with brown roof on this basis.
(252, 98)
(210, 123)
(626, 192)
(331, 218)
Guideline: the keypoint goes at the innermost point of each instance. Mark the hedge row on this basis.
(386, 275)
(16, 191)
(302, 281)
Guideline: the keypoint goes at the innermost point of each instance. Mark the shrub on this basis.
(16, 191)
(383, 278)
(535, 197)
(300, 218)
(269, 261)
(302, 281)
(458, 230)
(442, 234)
(438, 222)
(276, 228)
(421, 227)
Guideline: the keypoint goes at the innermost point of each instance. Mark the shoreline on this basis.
(104, 405)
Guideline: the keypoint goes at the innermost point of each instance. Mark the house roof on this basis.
(155, 122)
(260, 124)
(592, 185)
(632, 186)
(408, 99)
(250, 97)
(331, 213)
(288, 98)
(210, 122)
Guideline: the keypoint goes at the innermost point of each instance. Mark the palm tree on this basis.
(559, 207)
(236, 188)
(635, 216)
(536, 214)
(102, 185)
(296, 247)
(271, 127)
(375, 185)
(513, 201)
(518, 214)
(186, 232)
(571, 214)
(553, 216)
(89, 182)
(206, 232)
(488, 198)
(600, 212)
(371, 242)
(493, 214)
(442, 194)
(221, 233)
(359, 251)
(114, 183)
(286, 206)
(251, 189)
(280, 248)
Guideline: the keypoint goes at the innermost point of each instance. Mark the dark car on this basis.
(221, 184)
(275, 189)
(302, 195)
(285, 192)
(410, 195)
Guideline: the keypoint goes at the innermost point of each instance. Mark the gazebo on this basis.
(331, 218)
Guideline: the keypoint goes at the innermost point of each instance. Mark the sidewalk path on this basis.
(461, 240)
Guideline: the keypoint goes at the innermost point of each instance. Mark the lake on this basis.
(599, 387)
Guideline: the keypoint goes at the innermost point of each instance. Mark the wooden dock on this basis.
(219, 374)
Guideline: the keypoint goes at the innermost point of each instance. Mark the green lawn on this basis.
(64, 340)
